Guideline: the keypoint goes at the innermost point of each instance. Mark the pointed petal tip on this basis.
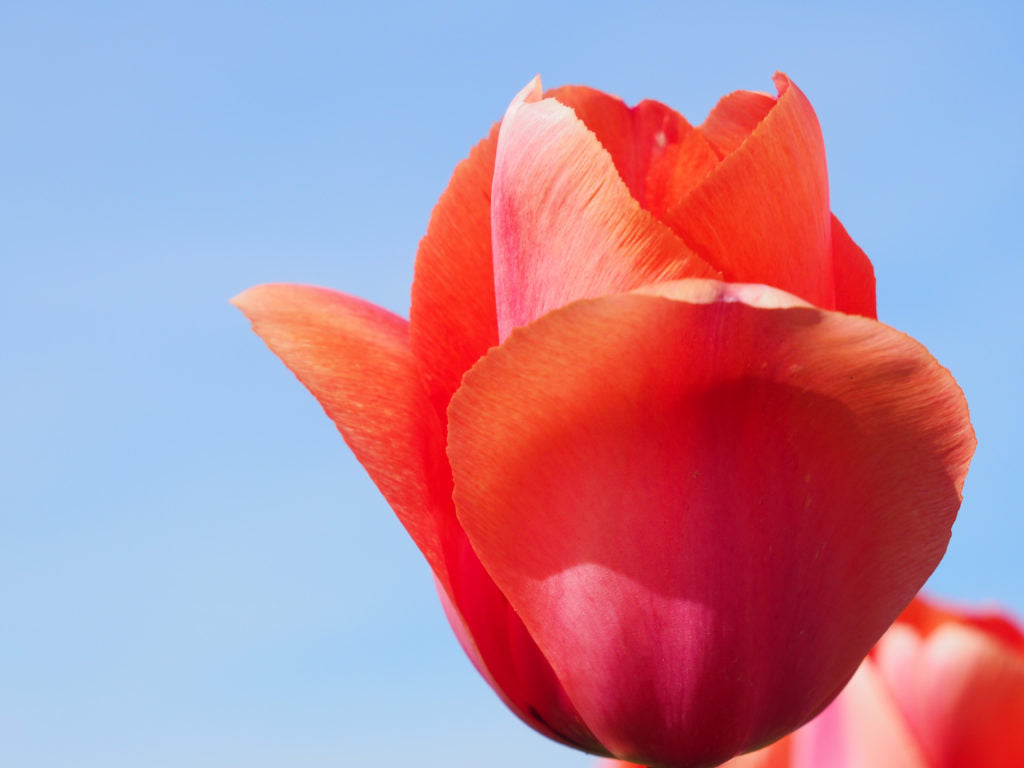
(532, 91)
(239, 299)
(249, 300)
(258, 299)
(782, 81)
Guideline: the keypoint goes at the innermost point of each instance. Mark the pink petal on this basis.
(564, 225)
(961, 690)
(706, 513)
(762, 215)
(862, 728)
(777, 755)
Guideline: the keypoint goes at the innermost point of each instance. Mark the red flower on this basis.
(671, 475)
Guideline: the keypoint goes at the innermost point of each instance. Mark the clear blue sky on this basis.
(193, 568)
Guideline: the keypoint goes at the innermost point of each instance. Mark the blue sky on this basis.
(193, 568)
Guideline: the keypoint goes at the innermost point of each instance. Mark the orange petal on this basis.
(354, 358)
(658, 154)
(855, 276)
(564, 225)
(706, 513)
(452, 321)
(734, 118)
(762, 216)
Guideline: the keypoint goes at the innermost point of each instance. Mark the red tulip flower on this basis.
(673, 478)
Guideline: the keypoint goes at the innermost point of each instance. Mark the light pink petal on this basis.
(564, 224)
(706, 512)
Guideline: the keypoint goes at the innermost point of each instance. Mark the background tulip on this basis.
(672, 477)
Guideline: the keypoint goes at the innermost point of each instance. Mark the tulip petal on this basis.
(961, 690)
(355, 359)
(734, 118)
(762, 215)
(854, 275)
(706, 512)
(452, 319)
(925, 615)
(493, 636)
(506, 657)
(657, 153)
(777, 755)
(862, 728)
(564, 225)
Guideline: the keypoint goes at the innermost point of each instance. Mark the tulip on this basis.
(672, 476)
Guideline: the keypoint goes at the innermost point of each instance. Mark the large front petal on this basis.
(762, 215)
(564, 225)
(706, 511)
